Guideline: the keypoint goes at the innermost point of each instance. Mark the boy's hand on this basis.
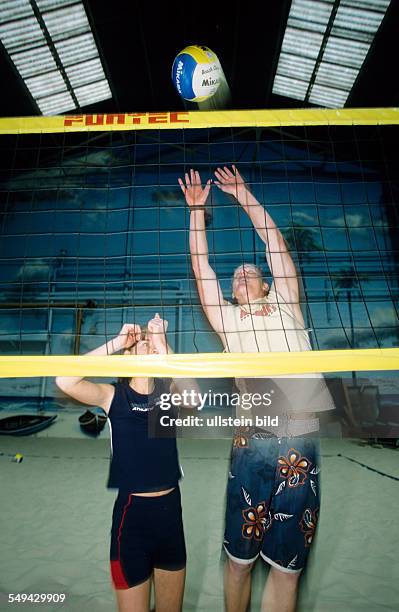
(230, 182)
(193, 192)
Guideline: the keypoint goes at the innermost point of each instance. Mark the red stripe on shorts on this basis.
(117, 574)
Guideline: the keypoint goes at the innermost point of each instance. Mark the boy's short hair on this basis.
(254, 266)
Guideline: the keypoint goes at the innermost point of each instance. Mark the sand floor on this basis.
(55, 517)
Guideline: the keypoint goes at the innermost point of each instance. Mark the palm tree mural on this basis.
(346, 281)
(302, 240)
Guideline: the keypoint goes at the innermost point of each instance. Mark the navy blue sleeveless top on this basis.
(139, 463)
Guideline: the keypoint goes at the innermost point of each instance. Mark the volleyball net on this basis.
(95, 234)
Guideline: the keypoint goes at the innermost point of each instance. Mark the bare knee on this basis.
(239, 570)
(289, 579)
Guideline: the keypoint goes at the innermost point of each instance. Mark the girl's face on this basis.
(144, 346)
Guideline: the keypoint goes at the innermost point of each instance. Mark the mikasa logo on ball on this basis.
(178, 75)
(211, 80)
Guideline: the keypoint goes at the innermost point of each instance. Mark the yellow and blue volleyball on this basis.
(196, 73)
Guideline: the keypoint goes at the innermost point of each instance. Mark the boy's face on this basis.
(248, 283)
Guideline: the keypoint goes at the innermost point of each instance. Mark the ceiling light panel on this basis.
(345, 52)
(21, 33)
(293, 64)
(343, 77)
(71, 20)
(311, 12)
(55, 59)
(48, 5)
(14, 10)
(327, 96)
(28, 63)
(95, 92)
(51, 105)
(77, 49)
(288, 86)
(338, 42)
(46, 84)
(296, 43)
(86, 72)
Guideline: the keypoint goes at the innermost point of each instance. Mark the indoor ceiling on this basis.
(138, 41)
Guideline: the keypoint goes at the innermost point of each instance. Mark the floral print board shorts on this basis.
(273, 501)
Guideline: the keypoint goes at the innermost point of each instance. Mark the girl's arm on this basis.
(99, 394)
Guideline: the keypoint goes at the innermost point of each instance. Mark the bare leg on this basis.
(281, 590)
(136, 599)
(169, 589)
(237, 586)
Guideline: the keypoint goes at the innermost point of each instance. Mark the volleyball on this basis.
(196, 73)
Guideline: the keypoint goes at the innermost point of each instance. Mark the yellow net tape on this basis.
(204, 365)
(199, 119)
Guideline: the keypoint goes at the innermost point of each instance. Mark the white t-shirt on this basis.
(269, 324)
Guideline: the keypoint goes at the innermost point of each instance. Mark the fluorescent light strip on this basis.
(22, 33)
(58, 103)
(93, 92)
(69, 28)
(84, 73)
(296, 42)
(311, 11)
(67, 20)
(328, 96)
(348, 52)
(355, 25)
(14, 10)
(46, 84)
(76, 49)
(48, 5)
(344, 77)
(297, 89)
(29, 64)
(301, 66)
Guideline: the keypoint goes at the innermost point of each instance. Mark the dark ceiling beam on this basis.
(102, 55)
(16, 99)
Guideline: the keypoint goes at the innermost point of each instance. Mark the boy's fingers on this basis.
(224, 176)
(183, 188)
(237, 174)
